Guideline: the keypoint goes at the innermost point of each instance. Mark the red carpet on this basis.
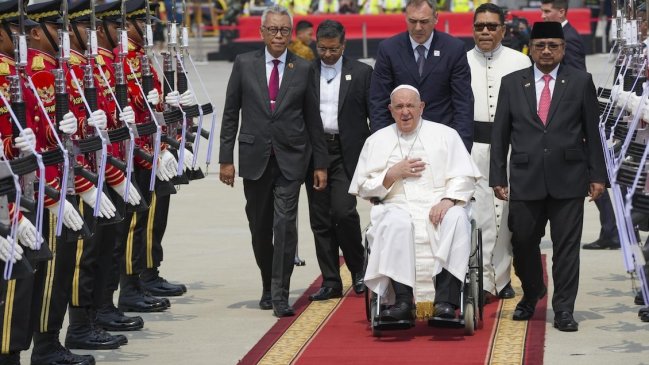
(343, 336)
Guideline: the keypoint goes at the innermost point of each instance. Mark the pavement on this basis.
(207, 246)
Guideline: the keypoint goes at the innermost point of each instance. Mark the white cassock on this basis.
(487, 69)
(405, 245)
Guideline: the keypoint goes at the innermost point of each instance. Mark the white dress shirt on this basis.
(329, 92)
(540, 83)
(426, 44)
(280, 66)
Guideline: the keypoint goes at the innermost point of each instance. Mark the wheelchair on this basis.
(471, 297)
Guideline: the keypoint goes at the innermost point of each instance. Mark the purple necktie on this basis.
(273, 85)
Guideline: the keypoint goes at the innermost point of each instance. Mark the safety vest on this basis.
(372, 7)
(301, 7)
(393, 6)
(329, 7)
(460, 6)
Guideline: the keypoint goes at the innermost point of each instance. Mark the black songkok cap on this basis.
(546, 30)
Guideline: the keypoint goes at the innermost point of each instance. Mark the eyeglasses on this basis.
(323, 50)
(551, 46)
(284, 31)
(492, 27)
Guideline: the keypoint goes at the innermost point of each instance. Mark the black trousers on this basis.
(15, 313)
(156, 227)
(527, 221)
(334, 221)
(271, 208)
(606, 217)
(53, 281)
(447, 289)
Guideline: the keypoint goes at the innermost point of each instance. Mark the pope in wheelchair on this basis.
(420, 234)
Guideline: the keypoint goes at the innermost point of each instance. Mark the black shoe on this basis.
(282, 309)
(161, 287)
(12, 358)
(266, 302)
(526, 307)
(112, 319)
(92, 338)
(638, 300)
(359, 282)
(326, 293)
(48, 351)
(142, 303)
(563, 321)
(398, 312)
(603, 244)
(444, 310)
(507, 292)
(644, 314)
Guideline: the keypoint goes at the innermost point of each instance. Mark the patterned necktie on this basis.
(546, 98)
(273, 85)
(421, 50)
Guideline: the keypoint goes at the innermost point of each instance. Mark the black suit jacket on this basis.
(445, 85)
(559, 159)
(293, 130)
(353, 109)
(575, 55)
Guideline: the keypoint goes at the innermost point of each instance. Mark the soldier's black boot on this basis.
(112, 319)
(132, 298)
(12, 358)
(48, 351)
(83, 334)
(157, 285)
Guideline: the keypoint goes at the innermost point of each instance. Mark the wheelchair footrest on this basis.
(382, 325)
(446, 322)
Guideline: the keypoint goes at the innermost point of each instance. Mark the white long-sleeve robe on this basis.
(405, 245)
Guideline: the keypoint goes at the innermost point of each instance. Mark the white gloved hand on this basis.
(27, 234)
(173, 99)
(153, 97)
(26, 142)
(69, 124)
(127, 115)
(187, 98)
(166, 170)
(71, 217)
(632, 104)
(5, 251)
(645, 111)
(133, 198)
(188, 159)
(106, 207)
(98, 119)
(615, 92)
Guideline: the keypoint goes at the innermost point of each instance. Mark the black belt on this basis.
(482, 132)
(331, 137)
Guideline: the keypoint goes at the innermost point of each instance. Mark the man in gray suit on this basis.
(279, 134)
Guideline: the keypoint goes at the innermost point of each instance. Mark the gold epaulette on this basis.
(100, 60)
(74, 59)
(4, 69)
(38, 63)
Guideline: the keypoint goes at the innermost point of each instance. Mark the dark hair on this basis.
(303, 24)
(557, 4)
(490, 8)
(331, 29)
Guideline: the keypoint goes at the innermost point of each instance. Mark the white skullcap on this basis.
(405, 86)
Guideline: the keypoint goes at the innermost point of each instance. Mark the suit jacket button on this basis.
(545, 150)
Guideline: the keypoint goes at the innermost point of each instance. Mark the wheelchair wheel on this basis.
(481, 299)
(469, 319)
(368, 294)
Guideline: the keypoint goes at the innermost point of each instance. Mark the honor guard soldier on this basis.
(157, 222)
(56, 278)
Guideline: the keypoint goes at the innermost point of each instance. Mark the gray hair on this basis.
(417, 3)
(276, 9)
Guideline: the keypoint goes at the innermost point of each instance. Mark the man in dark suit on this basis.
(556, 11)
(546, 114)
(280, 131)
(343, 91)
(433, 62)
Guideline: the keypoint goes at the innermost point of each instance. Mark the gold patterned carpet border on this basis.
(288, 347)
(508, 339)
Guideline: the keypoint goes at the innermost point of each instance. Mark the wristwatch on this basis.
(454, 201)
